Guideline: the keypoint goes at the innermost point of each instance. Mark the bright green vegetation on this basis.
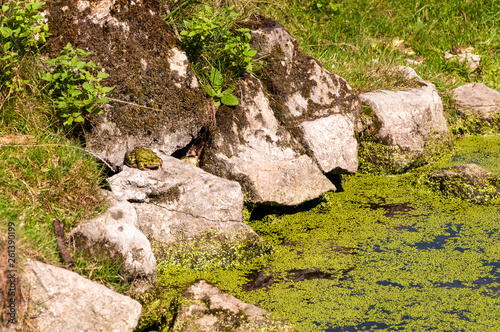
(44, 174)
(219, 51)
(77, 91)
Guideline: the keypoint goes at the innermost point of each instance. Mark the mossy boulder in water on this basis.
(467, 181)
(156, 101)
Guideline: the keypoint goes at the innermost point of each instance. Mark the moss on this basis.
(171, 195)
(137, 61)
(378, 158)
(210, 250)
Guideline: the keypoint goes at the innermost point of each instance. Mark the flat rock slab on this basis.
(251, 147)
(180, 200)
(114, 235)
(467, 181)
(477, 99)
(62, 300)
(208, 309)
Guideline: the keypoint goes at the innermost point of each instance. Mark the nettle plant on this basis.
(22, 29)
(72, 84)
(209, 39)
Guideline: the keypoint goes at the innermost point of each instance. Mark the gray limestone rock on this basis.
(61, 300)
(477, 99)
(252, 148)
(208, 309)
(318, 107)
(156, 101)
(114, 235)
(180, 200)
(407, 122)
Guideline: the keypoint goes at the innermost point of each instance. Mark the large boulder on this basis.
(477, 99)
(251, 147)
(114, 236)
(318, 107)
(156, 101)
(208, 309)
(62, 300)
(404, 128)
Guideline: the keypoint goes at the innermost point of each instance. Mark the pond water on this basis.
(385, 253)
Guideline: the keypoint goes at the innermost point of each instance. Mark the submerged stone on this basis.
(467, 181)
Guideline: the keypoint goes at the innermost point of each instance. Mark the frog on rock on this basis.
(142, 158)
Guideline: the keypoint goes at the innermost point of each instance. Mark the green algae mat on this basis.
(386, 253)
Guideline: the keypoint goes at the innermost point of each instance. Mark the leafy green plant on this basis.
(21, 29)
(326, 6)
(214, 90)
(73, 85)
(210, 38)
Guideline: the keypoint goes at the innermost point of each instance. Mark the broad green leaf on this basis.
(88, 86)
(75, 93)
(102, 75)
(6, 32)
(229, 100)
(251, 53)
(107, 89)
(209, 90)
(5, 8)
(103, 100)
(229, 90)
(47, 77)
(80, 65)
(217, 103)
(37, 5)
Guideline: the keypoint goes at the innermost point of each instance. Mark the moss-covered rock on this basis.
(467, 181)
(156, 101)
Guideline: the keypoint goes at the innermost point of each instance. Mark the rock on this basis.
(472, 60)
(180, 200)
(114, 235)
(408, 126)
(156, 101)
(477, 99)
(251, 147)
(208, 309)
(318, 107)
(61, 300)
(467, 181)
